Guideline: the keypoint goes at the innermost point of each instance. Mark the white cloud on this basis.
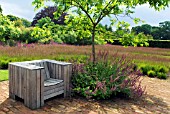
(17, 10)
(24, 9)
(150, 16)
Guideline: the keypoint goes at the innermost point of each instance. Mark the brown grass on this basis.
(140, 54)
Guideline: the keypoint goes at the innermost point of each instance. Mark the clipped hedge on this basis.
(152, 43)
(159, 43)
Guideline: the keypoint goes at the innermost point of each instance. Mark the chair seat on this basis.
(51, 82)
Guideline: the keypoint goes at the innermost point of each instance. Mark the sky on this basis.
(24, 9)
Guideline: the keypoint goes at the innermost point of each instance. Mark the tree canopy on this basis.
(0, 9)
(89, 13)
(48, 12)
(161, 32)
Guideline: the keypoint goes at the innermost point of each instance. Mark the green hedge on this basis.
(152, 43)
(159, 43)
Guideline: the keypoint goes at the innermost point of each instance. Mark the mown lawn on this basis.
(3, 75)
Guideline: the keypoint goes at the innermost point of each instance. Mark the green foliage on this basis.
(89, 13)
(3, 75)
(135, 40)
(145, 28)
(106, 78)
(151, 73)
(161, 75)
(8, 30)
(44, 22)
(162, 32)
(159, 43)
(163, 69)
(0, 10)
(41, 35)
(19, 21)
(145, 69)
(25, 35)
(4, 64)
(152, 43)
(49, 12)
(155, 71)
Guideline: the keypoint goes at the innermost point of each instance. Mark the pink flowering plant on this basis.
(107, 77)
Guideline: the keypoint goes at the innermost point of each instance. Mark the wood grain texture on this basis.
(38, 80)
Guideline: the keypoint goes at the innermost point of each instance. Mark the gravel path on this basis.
(157, 101)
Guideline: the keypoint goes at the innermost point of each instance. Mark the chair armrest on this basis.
(26, 65)
(27, 82)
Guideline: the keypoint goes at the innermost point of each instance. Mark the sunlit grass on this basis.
(3, 75)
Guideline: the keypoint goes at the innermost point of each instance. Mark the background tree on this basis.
(96, 10)
(19, 21)
(0, 9)
(156, 33)
(161, 32)
(145, 28)
(164, 30)
(48, 12)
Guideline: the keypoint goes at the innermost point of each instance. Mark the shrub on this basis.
(163, 70)
(145, 69)
(106, 78)
(3, 64)
(161, 75)
(151, 73)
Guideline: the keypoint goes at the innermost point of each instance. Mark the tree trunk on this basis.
(93, 45)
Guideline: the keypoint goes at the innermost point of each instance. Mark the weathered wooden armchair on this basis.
(38, 80)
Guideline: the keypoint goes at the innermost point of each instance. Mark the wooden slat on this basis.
(56, 72)
(42, 87)
(53, 94)
(19, 82)
(22, 82)
(54, 86)
(49, 67)
(38, 87)
(70, 74)
(32, 89)
(53, 70)
(64, 75)
(51, 82)
(16, 80)
(62, 72)
(59, 73)
(13, 82)
(27, 89)
(10, 81)
(53, 90)
(46, 70)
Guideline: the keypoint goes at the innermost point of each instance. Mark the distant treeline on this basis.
(161, 32)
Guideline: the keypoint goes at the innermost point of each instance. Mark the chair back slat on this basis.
(46, 70)
(42, 64)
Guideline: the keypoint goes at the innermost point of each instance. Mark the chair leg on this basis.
(12, 96)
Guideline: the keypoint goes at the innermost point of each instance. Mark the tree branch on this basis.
(102, 16)
(86, 12)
